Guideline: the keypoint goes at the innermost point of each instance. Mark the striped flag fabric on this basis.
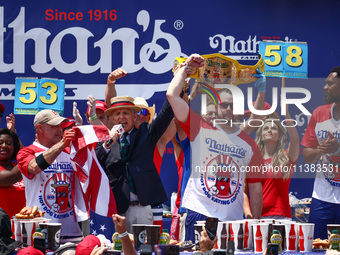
(93, 179)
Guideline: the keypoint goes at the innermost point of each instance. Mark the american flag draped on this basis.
(94, 182)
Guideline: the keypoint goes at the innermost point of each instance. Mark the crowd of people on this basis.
(42, 174)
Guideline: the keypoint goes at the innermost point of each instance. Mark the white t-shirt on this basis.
(218, 169)
(51, 189)
(327, 183)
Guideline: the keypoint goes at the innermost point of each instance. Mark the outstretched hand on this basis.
(329, 145)
(11, 122)
(98, 250)
(91, 103)
(206, 244)
(76, 115)
(68, 136)
(261, 81)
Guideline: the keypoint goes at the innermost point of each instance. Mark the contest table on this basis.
(247, 253)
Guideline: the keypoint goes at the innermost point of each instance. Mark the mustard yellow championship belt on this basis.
(219, 69)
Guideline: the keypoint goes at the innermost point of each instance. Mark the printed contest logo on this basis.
(222, 179)
(57, 194)
(333, 175)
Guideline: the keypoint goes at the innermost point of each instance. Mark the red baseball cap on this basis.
(70, 122)
(247, 112)
(30, 251)
(99, 105)
(86, 246)
(2, 108)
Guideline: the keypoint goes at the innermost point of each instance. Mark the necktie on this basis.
(124, 149)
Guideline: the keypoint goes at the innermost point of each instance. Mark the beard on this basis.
(330, 99)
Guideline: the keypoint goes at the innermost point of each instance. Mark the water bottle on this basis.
(173, 201)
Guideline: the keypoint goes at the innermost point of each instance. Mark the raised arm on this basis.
(179, 106)
(76, 115)
(93, 119)
(120, 224)
(110, 90)
(166, 137)
(259, 103)
(10, 119)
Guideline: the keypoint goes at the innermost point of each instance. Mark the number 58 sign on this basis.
(285, 59)
(33, 95)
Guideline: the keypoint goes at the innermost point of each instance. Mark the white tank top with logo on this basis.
(51, 191)
(219, 162)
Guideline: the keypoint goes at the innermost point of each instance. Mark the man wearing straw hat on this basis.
(146, 114)
(128, 161)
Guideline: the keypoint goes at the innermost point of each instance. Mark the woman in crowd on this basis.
(12, 189)
(280, 162)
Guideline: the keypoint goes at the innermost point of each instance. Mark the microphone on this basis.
(120, 129)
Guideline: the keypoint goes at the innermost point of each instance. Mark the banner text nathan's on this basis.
(127, 36)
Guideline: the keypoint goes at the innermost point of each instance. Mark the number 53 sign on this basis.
(285, 59)
(33, 95)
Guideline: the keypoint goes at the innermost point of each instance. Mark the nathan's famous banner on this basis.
(81, 42)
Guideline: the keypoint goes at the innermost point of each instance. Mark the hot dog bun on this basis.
(35, 210)
(24, 210)
(23, 216)
(29, 213)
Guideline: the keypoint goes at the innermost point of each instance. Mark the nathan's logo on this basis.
(216, 182)
(322, 134)
(229, 44)
(48, 48)
(233, 150)
(60, 166)
(212, 63)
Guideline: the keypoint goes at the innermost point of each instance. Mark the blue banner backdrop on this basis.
(83, 41)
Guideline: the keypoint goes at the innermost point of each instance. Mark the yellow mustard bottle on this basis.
(117, 242)
(277, 238)
(164, 237)
(334, 240)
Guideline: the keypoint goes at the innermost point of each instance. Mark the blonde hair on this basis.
(280, 157)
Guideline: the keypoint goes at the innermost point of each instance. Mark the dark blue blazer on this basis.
(149, 187)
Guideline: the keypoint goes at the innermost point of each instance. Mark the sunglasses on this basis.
(1, 114)
(225, 105)
(144, 112)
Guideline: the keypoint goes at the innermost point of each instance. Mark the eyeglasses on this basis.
(1, 114)
(144, 112)
(225, 105)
